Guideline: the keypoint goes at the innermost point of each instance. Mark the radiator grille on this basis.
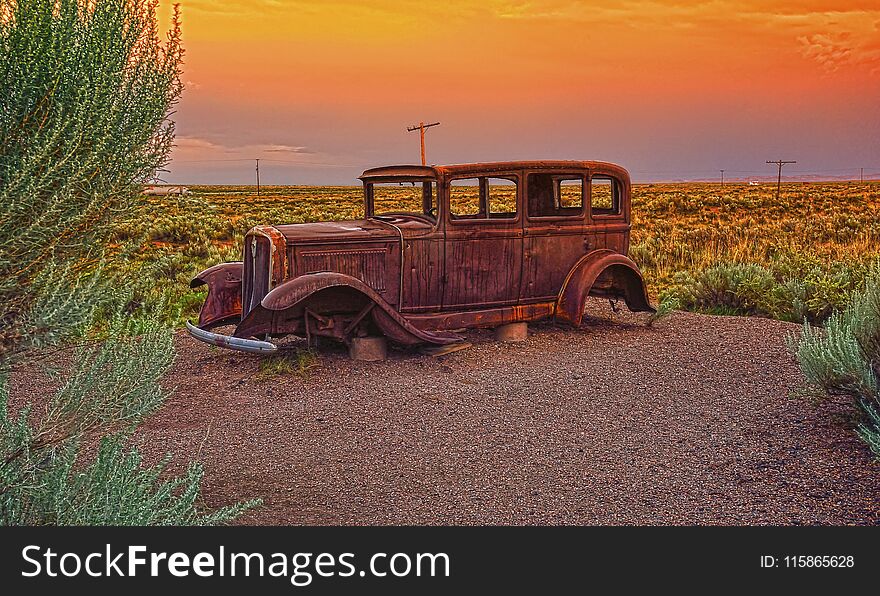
(257, 252)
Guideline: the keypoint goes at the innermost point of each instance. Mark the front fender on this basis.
(223, 303)
(283, 309)
(619, 276)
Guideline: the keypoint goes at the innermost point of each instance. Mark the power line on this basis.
(208, 160)
(707, 173)
(286, 161)
(316, 163)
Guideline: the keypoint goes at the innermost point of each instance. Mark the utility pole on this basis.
(421, 128)
(258, 177)
(861, 175)
(780, 163)
(722, 178)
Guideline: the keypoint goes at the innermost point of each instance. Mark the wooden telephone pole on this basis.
(780, 163)
(421, 128)
(722, 178)
(258, 177)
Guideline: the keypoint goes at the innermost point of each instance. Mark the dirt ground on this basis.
(696, 420)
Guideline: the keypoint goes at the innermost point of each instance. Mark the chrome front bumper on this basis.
(253, 346)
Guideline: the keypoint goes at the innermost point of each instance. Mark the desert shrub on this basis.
(844, 357)
(116, 489)
(87, 91)
(727, 289)
(815, 240)
(666, 307)
(113, 386)
(798, 292)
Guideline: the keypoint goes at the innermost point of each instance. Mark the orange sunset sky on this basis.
(671, 90)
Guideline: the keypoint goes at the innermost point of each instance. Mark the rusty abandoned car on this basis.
(440, 248)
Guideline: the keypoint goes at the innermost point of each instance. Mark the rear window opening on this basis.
(604, 196)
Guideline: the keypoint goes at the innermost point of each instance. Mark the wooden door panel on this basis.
(482, 271)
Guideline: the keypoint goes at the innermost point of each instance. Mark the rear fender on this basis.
(603, 273)
(283, 310)
(223, 303)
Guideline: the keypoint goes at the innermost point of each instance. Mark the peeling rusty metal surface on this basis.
(490, 317)
(278, 248)
(329, 232)
(223, 303)
(622, 279)
(322, 301)
(415, 277)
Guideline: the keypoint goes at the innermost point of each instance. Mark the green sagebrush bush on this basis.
(87, 91)
(728, 288)
(790, 289)
(44, 476)
(844, 357)
(115, 489)
(87, 88)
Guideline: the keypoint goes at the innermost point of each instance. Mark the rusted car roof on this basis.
(434, 171)
(394, 171)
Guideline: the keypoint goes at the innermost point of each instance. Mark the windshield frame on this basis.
(369, 195)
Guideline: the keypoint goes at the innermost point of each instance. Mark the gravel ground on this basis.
(692, 421)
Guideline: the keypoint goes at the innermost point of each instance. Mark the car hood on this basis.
(354, 229)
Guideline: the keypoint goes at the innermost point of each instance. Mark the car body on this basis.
(440, 248)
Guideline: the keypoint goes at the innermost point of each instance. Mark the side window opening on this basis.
(465, 199)
(553, 195)
(482, 198)
(569, 195)
(502, 197)
(604, 196)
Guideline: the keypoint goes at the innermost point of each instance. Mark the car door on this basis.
(422, 253)
(555, 204)
(484, 240)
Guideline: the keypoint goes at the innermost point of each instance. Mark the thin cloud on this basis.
(185, 143)
(228, 9)
(189, 143)
(830, 51)
(834, 51)
(281, 149)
